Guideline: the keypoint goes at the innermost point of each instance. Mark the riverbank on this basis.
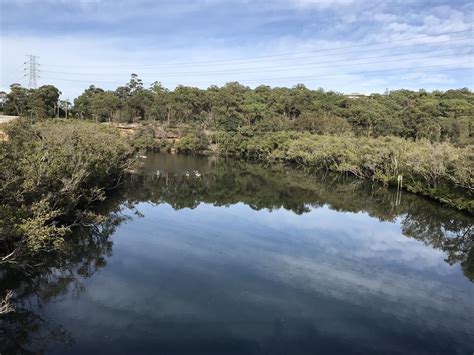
(437, 170)
(440, 171)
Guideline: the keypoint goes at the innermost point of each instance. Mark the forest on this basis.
(436, 116)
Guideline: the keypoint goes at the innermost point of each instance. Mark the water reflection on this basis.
(229, 280)
(225, 183)
(28, 329)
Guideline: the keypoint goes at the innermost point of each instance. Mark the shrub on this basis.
(193, 142)
(51, 172)
(438, 170)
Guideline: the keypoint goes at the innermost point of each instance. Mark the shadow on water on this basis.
(172, 180)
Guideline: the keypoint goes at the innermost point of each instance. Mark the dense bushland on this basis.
(51, 175)
(437, 116)
(438, 170)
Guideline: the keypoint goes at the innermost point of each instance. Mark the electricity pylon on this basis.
(32, 70)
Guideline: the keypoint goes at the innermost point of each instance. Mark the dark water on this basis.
(253, 260)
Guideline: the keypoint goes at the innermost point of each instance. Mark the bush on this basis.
(145, 140)
(322, 124)
(438, 170)
(51, 173)
(194, 142)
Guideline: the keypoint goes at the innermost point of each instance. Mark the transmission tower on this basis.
(32, 70)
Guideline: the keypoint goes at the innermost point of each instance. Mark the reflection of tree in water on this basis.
(457, 240)
(461, 249)
(274, 187)
(226, 183)
(27, 330)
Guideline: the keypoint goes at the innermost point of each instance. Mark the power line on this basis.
(32, 70)
(286, 67)
(287, 59)
(301, 77)
(20, 79)
(195, 63)
(368, 72)
(276, 60)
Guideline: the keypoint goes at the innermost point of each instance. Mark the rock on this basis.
(172, 135)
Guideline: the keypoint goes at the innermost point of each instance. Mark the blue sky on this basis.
(341, 45)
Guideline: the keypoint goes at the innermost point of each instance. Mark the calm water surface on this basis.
(253, 260)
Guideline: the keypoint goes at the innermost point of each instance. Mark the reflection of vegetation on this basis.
(276, 187)
(222, 183)
(457, 239)
(440, 171)
(27, 330)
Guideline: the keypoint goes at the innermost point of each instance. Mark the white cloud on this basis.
(323, 3)
(112, 57)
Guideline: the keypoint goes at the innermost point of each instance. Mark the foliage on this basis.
(52, 172)
(193, 142)
(438, 170)
(438, 116)
(322, 124)
(426, 137)
(104, 105)
(83, 103)
(144, 140)
(34, 103)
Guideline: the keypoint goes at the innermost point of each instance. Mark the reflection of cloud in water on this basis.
(349, 234)
(235, 272)
(359, 234)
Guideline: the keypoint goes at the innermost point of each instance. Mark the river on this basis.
(210, 256)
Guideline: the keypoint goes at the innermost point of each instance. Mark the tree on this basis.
(17, 101)
(44, 101)
(82, 104)
(104, 105)
(135, 100)
(228, 105)
(140, 104)
(322, 124)
(368, 115)
(160, 108)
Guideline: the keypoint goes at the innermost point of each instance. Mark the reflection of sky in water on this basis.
(270, 281)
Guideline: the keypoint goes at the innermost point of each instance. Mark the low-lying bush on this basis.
(438, 170)
(51, 173)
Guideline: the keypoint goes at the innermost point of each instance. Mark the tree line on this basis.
(437, 116)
